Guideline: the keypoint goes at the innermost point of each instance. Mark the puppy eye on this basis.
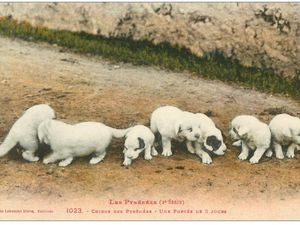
(234, 130)
(125, 147)
(190, 129)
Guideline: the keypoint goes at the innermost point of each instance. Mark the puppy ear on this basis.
(178, 128)
(243, 131)
(141, 143)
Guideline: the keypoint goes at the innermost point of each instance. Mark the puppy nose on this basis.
(197, 136)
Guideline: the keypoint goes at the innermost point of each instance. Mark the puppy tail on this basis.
(119, 133)
(7, 145)
(153, 127)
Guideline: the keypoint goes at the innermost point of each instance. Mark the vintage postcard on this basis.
(149, 111)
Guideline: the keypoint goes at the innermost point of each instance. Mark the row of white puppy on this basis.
(38, 126)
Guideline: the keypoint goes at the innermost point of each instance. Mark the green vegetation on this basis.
(213, 65)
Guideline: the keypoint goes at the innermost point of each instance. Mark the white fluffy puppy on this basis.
(173, 123)
(240, 120)
(253, 135)
(24, 131)
(285, 131)
(82, 139)
(210, 139)
(138, 139)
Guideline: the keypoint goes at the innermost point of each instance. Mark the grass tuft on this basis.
(213, 65)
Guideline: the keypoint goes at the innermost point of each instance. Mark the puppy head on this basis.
(133, 147)
(213, 141)
(188, 127)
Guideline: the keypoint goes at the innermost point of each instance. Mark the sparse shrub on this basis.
(213, 65)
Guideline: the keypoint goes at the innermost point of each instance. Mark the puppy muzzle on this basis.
(219, 152)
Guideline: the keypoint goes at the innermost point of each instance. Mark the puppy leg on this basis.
(278, 150)
(257, 155)
(291, 151)
(30, 148)
(66, 162)
(154, 151)
(98, 157)
(127, 161)
(245, 152)
(147, 155)
(51, 158)
(206, 159)
(190, 147)
(166, 143)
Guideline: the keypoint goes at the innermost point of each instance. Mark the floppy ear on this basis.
(178, 128)
(141, 143)
(242, 132)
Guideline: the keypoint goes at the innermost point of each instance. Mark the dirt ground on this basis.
(83, 88)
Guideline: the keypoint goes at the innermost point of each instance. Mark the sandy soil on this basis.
(83, 88)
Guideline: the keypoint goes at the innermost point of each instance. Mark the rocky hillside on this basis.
(260, 35)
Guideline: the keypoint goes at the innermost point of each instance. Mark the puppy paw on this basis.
(166, 153)
(30, 157)
(126, 163)
(35, 159)
(237, 143)
(280, 156)
(154, 152)
(206, 159)
(290, 155)
(94, 161)
(45, 161)
(148, 157)
(269, 153)
(243, 156)
(63, 164)
(254, 160)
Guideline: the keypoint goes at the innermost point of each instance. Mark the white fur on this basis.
(285, 131)
(173, 123)
(252, 135)
(82, 139)
(24, 131)
(138, 139)
(208, 130)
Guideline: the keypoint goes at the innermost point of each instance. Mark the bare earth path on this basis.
(82, 88)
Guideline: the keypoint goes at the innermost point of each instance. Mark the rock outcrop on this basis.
(256, 34)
